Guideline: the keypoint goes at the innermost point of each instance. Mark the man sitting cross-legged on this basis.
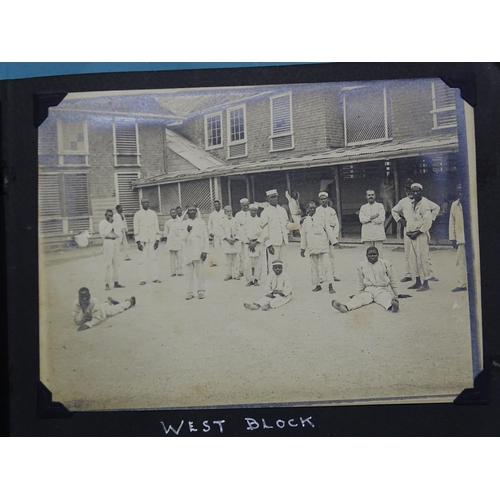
(376, 283)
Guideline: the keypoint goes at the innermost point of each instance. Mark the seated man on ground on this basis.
(376, 283)
(278, 290)
(89, 312)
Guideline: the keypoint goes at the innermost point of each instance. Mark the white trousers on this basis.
(321, 262)
(232, 265)
(407, 259)
(419, 257)
(111, 251)
(123, 243)
(112, 310)
(191, 270)
(378, 294)
(278, 301)
(461, 266)
(322, 270)
(215, 257)
(253, 263)
(148, 262)
(175, 261)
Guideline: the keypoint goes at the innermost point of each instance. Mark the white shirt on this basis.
(404, 208)
(171, 232)
(107, 229)
(420, 216)
(331, 219)
(195, 241)
(231, 231)
(120, 221)
(215, 223)
(279, 283)
(372, 230)
(252, 230)
(380, 274)
(456, 224)
(316, 235)
(274, 221)
(146, 228)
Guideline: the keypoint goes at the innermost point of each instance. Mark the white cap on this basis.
(271, 191)
(244, 200)
(253, 205)
(416, 185)
(277, 262)
(323, 193)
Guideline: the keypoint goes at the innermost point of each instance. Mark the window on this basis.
(126, 143)
(127, 196)
(64, 203)
(281, 123)
(72, 142)
(366, 115)
(237, 140)
(443, 106)
(213, 131)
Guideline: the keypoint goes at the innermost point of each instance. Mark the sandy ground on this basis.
(168, 352)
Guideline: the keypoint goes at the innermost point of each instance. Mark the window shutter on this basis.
(77, 199)
(282, 122)
(444, 107)
(126, 143)
(445, 96)
(128, 198)
(49, 195)
(283, 142)
(238, 150)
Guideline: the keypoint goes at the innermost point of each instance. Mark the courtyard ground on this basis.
(167, 352)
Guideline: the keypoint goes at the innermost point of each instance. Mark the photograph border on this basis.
(22, 394)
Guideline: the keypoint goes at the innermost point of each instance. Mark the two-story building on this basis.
(195, 145)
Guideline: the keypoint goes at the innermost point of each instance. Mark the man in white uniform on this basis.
(317, 237)
(372, 218)
(332, 220)
(174, 243)
(401, 212)
(417, 230)
(215, 232)
(278, 290)
(252, 238)
(274, 222)
(110, 235)
(147, 237)
(121, 224)
(457, 238)
(194, 234)
(231, 244)
(240, 219)
(376, 283)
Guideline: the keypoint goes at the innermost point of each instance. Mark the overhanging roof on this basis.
(340, 156)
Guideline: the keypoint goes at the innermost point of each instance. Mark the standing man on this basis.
(376, 283)
(457, 238)
(231, 244)
(294, 207)
(215, 231)
(240, 219)
(110, 235)
(252, 238)
(274, 221)
(174, 243)
(147, 237)
(194, 234)
(417, 230)
(332, 220)
(317, 237)
(401, 213)
(121, 224)
(372, 218)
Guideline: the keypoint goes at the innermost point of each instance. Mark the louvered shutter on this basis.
(126, 143)
(128, 198)
(49, 195)
(237, 150)
(77, 199)
(444, 105)
(281, 126)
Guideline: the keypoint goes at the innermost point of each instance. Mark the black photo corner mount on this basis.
(48, 408)
(466, 83)
(42, 102)
(480, 393)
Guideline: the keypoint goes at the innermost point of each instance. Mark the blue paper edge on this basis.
(17, 70)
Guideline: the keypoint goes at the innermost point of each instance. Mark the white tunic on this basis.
(372, 230)
(456, 225)
(231, 231)
(281, 283)
(331, 219)
(380, 274)
(274, 221)
(146, 228)
(171, 232)
(316, 235)
(215, 223)
(195, 241)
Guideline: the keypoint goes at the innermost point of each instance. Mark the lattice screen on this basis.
(197, 192)
(366, 115)
(169, 194)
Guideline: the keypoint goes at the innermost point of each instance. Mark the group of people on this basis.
(253, 245)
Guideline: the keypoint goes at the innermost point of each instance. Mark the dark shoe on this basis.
(394, 305)
(227, 278)
(433, 279)
(112, 301)
(156, 281)
(423, 288)
(142, 283)
(180, 274)
(189, 296)
(250, 283)
(405, 279)
(236, 278)
(107, 288)
(330, 289)
(335, 278)
(317, 289)
(117, 285)
(416, 286)
(460, 289)
(172, 275)
(241, 274)
(132, 302)
(213, 264)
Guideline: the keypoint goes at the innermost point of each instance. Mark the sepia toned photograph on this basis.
(255, 246)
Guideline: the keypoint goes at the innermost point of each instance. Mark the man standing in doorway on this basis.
(457, 238)
(147, 237)
(332, 220)
(121, 225)
(194, 234)
(274, 221)
(110, 235)
(216, 231)
(372, 218)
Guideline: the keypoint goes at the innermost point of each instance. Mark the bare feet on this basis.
(340, 307)
(394, 305)
(330, 288)
(250, 306)
(317, 289)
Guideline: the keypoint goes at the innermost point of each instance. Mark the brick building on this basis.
(183, 146)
